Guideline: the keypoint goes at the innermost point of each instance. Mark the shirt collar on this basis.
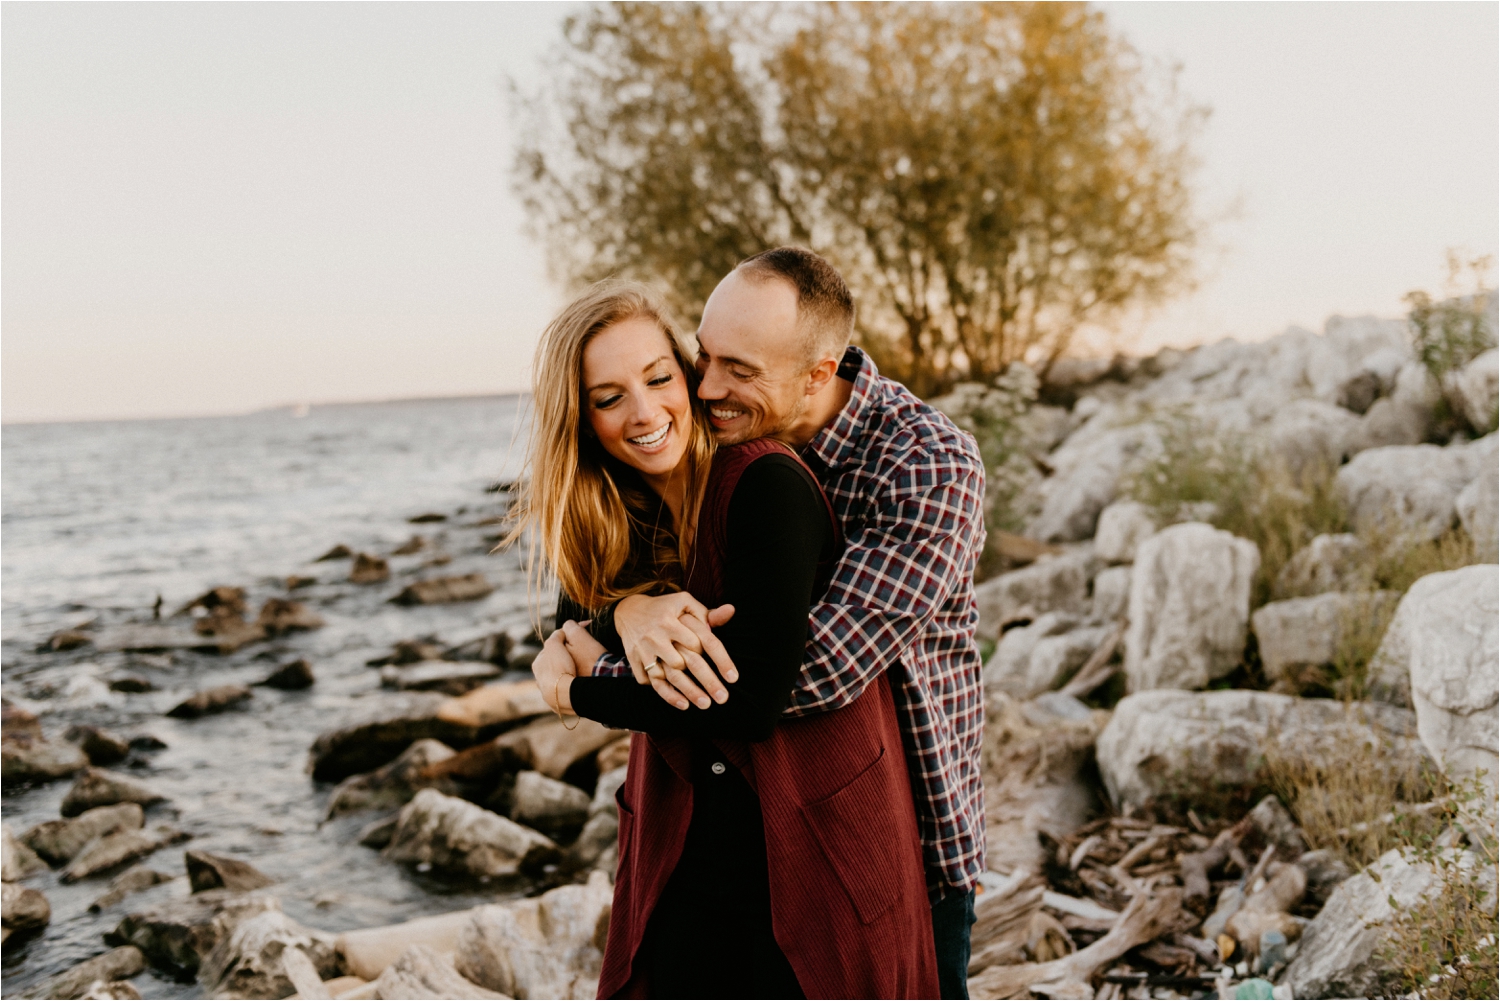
(836, 443)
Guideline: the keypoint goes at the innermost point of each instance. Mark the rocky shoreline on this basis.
(1187, 645)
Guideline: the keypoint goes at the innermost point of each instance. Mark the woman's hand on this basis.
(584, 649)
(554, 672)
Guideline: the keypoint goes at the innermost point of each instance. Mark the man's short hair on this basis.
(825, 309)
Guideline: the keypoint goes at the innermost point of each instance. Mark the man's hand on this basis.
(676, 631)
(582, 647)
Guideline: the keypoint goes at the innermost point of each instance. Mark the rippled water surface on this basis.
(99, 519)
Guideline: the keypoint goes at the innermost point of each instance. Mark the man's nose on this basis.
(709, 387)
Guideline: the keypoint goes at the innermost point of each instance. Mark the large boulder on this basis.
(247, 961)
(368, 951)
(1189, 607)
(176, 935)
(1476, 388)
(455, 835)
(1037, 658)
(112, 850)
(116, 964)
(1311, 632)
(1339, 956)
(496, 704)
(1478, 508)
(58, 841)
(1089, 468)
(1409, 489)
(393, 785)
(1310, 434)
(1440, 655)
(1327, 563)
(421, 974)
(1167, 743)
(1123, 526)
(98, 787)
(366, 745)
(550, 747)
(1056, 584)
(551, 946)
(22, 909)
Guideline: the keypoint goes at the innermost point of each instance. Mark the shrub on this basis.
(1449, 333)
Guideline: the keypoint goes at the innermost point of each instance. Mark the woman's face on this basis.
(636, 398)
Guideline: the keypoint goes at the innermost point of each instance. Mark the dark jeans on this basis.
(951, 918)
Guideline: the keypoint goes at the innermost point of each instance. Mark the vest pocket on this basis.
(854, 829)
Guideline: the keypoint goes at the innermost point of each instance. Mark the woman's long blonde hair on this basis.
(592, 522)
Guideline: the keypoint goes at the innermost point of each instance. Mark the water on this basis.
(100, 519)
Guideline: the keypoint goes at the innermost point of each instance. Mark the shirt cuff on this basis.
(611, 665)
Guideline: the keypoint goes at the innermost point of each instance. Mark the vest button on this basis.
(717, 768)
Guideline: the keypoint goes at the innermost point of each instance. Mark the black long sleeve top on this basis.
(778, 532)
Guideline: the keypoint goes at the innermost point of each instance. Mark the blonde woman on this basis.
(757, 857)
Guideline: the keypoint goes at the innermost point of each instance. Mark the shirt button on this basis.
(717, 768)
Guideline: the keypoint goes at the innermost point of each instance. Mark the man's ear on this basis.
(821, 374)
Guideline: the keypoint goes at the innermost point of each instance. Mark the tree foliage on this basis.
(988, 177)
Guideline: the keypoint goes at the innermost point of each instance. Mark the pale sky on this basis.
(212, 208)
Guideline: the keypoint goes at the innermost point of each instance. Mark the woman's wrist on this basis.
(562, 694)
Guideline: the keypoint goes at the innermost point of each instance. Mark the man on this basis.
(908, 489)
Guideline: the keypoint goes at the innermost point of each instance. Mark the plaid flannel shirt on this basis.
(908, 488)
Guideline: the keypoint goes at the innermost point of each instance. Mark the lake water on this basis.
(100, 519)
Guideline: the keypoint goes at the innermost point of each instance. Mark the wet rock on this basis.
(145, 742)
(420, 973)
(132, 880)
(1189, 607)
(442, 590)
(67, 639)
(247, 961)
(410, 546)
(604, 792)
(551, 748)
(58, 841)
(338, 552)
(555, 808)
(210, 701)
(278, 617)
(365, 746)
(98, 787)
(547, 947)
(150, 637)
(1037, 658)
(17, 860)
(132, 684)
(1478, 507)
(27, 757)
(22, 909)
(1202, 745)
(1123, 526)
(410, 652)
(111, 990)
(1339, 953)
(1439, 654)
(449, 677)
(177, 934)
(1476, 388)
(429, 518)
(1327, 563)
(225, 632)
(613, 755)
(216, 872)
(1059, 584)
(290, 677)
(1407, 489)
(369, 569)
(221, 599)
(114, 965)
(368, 952)
(296, 582)
(392, 785)
(455, 835)
(101, 746)
(378, 834)
(1310, 632)
(492, 648)
(1112, 593)
(116, 849)
(599, 835)
(493, 705)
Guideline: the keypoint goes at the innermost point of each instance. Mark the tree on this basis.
(989, 177)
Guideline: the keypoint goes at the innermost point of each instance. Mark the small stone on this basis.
(366, 745)
(378, 834)
(442, 590)
(410, 546)
(118, 848)
(17, 860)
(132, 684)
(112, 990)
(369, 569)
(176, 934)
(1327, 563)
(101, 746)
(68, 639)
(1058, 584)
(604, 792)
(248, 961)
(296, 582)
(612, 756)
(544, 947)
(280, 616)
(23, 909)
(98, 787)
(146, 742)
(25, 758)
(1112, 593)
(223, 597)
(214, 872)
(210, 701)
(1478, 507)
(114, 965)
(290, 677)
(392, 785)
(132, 880)
(1278, 828)
(555, 808)
(58, 841)
(338, 552)
(449, 677)
(429, 518)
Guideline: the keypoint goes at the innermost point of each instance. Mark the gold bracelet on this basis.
(557, 704)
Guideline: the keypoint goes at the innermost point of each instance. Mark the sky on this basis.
(215, 208)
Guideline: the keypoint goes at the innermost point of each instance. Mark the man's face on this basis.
(751, 359)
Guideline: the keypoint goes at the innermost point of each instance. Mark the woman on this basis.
(758, 858)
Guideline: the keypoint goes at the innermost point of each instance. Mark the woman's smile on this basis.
(654, 441)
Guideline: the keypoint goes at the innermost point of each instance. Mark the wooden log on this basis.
(1097, 669)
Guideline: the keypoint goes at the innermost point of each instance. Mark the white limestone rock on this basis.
(1442, 655)
(1123, 526)
(1327, 563)
(1407, 489)
(1476, 388)
(1189, 607)
(1052, 584)
(421, 974)
(1174, 743)
(550, 946)
(1478, 510)
(1034, 659)
(1306, 434)
(1089, 469)
(1307, 632)
(453, 834)
(247, 962)
(1112, 593)
(547, 805)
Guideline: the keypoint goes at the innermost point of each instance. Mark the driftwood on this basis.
(1148, 916)
(303, 975)
(1097, 669)
(1002, 922)
(1196, 866)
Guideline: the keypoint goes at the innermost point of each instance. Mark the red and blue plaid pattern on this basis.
(908, 488)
